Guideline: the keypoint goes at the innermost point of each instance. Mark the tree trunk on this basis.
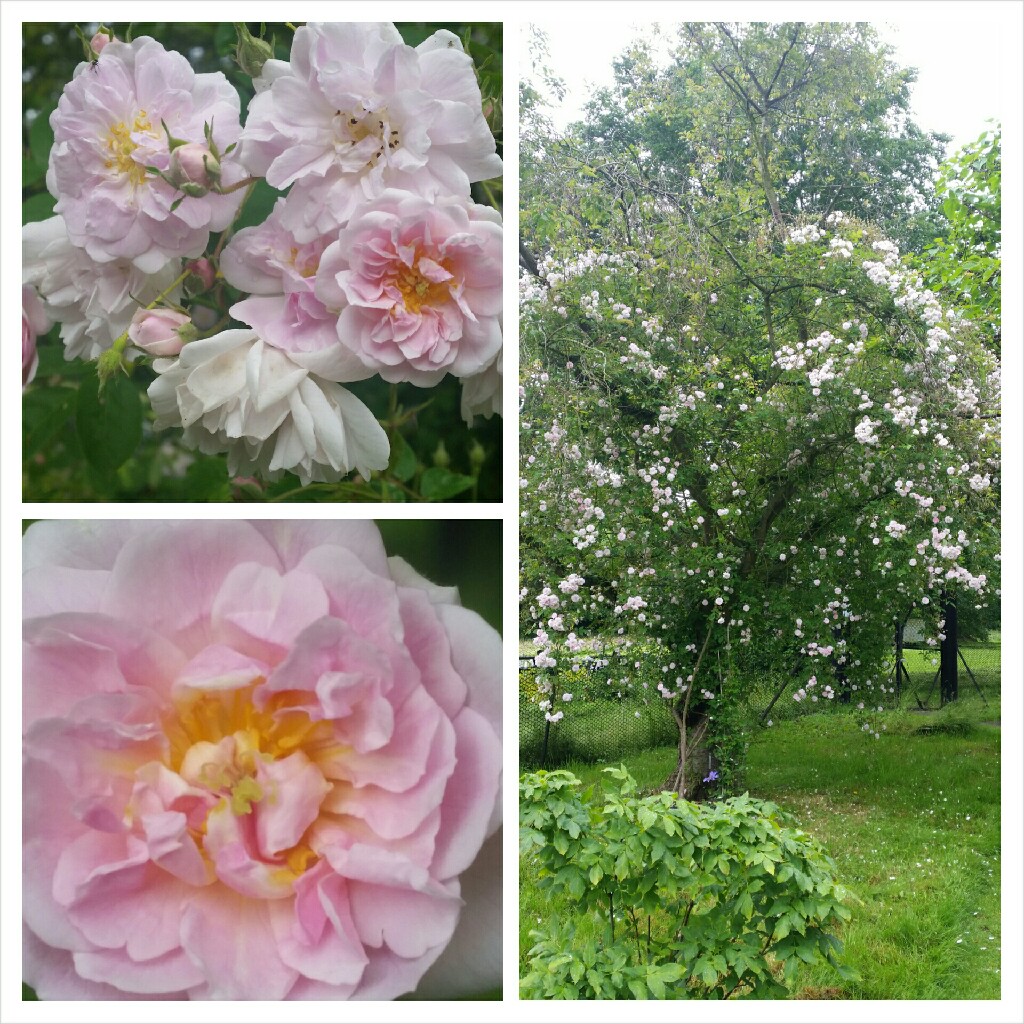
(694, 759)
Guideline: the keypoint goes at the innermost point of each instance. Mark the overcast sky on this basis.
(958, 84)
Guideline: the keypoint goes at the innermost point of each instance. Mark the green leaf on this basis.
(46, 411)
(638, 988)
(258, 206)
(31, 172)
(40, 137)
(438, 484)
(596, 874)
(37, 207)
(109, 425)
(402, 463)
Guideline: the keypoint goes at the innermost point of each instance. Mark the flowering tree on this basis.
(279, 288)
(757, 444)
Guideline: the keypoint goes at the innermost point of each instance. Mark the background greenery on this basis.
(77, 449)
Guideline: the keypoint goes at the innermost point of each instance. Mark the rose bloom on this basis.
(260, 761)
(107, 130)
(34, 321)
(232, 393)
(93, 302)
(355, 112)
(279, 272)
(418, 286)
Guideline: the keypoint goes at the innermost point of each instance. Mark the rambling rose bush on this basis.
(266, 777)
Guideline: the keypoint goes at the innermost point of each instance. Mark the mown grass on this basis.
(912, 820)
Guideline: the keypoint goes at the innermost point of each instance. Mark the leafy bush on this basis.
(702, 901)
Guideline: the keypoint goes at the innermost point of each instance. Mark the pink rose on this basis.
(417, 286)
(355, 112)
(160, 332)
(108, 128)
(279, 272)
(34, 321)
(261, 760)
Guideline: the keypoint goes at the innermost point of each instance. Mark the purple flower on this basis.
(711, 776)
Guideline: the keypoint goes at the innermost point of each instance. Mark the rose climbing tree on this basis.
(750, 434)
(276, 268)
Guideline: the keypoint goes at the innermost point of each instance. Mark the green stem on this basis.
(229, 230)
(244, 183)
(485, 187)
(357, 492)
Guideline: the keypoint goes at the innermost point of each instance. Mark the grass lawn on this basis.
(912, 820)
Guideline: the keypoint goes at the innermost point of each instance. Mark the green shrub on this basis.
(702, 901)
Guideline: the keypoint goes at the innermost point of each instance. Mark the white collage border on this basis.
(1006, 18)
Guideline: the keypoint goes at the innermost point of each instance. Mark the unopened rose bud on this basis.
(477, 456)
(160, 332)
(441, 457)
(251, 53)
(202, 275)
(100, 40)
(194, 170)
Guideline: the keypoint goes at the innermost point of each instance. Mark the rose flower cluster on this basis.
(274, 776)
(375, 261)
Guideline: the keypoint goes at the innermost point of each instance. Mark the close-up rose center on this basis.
(418, 289)
(121, 147)
(254, 784)
(353, 128)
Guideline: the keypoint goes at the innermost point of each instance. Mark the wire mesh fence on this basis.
(605, 716)
(605, 719)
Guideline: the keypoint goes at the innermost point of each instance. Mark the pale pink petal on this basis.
(471, 963)
(219, 667)
(317, 936)
(71, 655)
(293, 789)
(231, 939)
(472, 801)
(172, 972)
(263, 603)
(170, 578)
(51, 973)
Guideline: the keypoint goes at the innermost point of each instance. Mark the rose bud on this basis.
(160, 332)
(100, 40)
(194, 169)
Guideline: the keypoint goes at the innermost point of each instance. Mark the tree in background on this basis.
(749, 432)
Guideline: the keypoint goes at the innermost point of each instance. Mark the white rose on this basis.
(233, 393)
